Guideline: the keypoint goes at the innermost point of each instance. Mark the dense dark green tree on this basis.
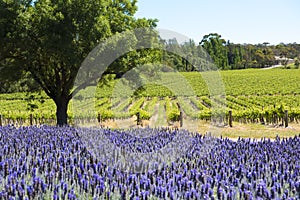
(297, 62)
(9, 11)
(194, 58)
(215, 47)
(51, 38)
(259, 58)
(235, 56)
(170, 59)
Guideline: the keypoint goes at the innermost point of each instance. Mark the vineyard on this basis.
(252, 96)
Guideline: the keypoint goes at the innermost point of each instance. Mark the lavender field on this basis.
(54, 163)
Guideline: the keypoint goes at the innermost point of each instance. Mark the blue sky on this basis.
(251, 21)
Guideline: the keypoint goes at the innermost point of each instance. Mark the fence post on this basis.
(180, 115)
(138, 120)
(181, 118)
(31, 119)
(230, 118)
(286, 118)
(0, 120)
(99, 118)
(261, 118)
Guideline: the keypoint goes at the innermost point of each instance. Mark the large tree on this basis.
(51, 38)
(215, 47)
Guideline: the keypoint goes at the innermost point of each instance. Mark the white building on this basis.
(280, 60)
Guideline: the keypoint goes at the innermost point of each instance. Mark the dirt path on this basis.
(272, 67)
(256, 131)
(159, 117)
(154, 117)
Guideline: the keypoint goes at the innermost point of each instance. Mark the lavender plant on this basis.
(54, 163)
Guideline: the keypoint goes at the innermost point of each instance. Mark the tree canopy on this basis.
(215, 47)
(51, 38)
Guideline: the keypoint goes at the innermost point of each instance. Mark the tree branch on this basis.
(44, 87)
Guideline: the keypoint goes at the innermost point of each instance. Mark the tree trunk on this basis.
(61, 111)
